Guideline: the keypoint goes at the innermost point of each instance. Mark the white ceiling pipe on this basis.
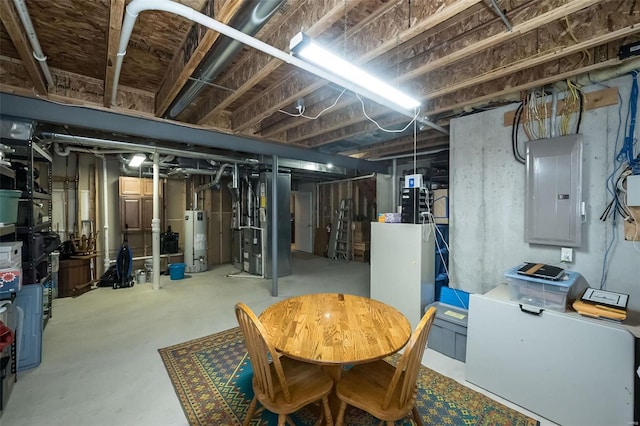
(137, 6)
(21, 7)
(128, 147)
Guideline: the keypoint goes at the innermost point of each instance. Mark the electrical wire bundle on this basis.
(573, 102)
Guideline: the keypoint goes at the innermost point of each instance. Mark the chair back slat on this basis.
(260, 351)
(407, 369)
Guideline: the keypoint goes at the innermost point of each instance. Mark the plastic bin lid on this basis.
(569, 278)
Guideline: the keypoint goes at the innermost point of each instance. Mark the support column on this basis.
(274, 227)
(105, 212)
(155, 224)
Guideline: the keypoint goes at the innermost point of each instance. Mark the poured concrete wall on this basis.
(487, 204)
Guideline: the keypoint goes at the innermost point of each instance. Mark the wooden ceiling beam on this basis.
(313, 17)
(377, 38)
(406, 147)
(187, 60)
(425, 136)
(542, 75)
(480, 68)
(12, 23)
(116, 15)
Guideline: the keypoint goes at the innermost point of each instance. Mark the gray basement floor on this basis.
(100, 364)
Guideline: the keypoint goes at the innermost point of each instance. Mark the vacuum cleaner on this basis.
(124, 264)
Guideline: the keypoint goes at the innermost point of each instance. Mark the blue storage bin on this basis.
(176, 271)
(29, 301)
(454, 297)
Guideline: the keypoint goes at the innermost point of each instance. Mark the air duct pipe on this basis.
(216, 181)
(137, 6)
(250, 20)
(21, 7)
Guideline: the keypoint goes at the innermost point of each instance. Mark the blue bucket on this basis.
(176, 271)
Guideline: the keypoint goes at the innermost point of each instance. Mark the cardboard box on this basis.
(361, 231)
(11, 254)
(441, 206)
(10, 281)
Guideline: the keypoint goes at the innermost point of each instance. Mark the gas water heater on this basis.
(195, 241)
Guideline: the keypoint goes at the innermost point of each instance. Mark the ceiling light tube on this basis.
(136, 6)
(302, 46)
(137, 160)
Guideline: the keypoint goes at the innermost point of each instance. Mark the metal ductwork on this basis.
(216, 180)
(249, 20)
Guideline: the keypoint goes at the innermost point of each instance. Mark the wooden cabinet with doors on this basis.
(136, 203)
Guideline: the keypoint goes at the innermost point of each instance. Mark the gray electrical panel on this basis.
(553, 200)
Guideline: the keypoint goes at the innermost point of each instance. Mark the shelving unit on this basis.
(36, 264)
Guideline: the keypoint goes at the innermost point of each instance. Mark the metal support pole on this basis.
(155, 224)
(274, 227)
(105, 214)
(394, 184)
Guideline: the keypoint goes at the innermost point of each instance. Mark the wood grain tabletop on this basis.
(333, 328)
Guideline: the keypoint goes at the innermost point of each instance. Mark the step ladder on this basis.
(343, 230)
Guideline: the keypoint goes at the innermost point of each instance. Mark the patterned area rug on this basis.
(212, 378)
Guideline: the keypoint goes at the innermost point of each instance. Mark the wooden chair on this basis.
(282, 385)
(387, 392)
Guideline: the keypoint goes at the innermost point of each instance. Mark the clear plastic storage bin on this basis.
(547, 294)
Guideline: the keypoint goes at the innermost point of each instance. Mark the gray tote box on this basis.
(448, 334)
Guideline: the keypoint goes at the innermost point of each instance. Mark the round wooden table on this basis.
(335, 329)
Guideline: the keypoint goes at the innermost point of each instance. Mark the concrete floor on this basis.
(100, 364)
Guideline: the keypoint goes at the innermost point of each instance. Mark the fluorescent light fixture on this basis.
(136, 160)
(301, 45)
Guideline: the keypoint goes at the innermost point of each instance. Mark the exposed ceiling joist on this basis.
(364, 45)
(314, 17)
(187, 60)
(12, 23)
(116, 13)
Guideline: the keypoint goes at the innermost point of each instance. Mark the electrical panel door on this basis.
(553, 201)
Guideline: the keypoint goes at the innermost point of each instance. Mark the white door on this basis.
(303, 221)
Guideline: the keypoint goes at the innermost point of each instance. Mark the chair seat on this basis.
(365, 386)
(306, 383)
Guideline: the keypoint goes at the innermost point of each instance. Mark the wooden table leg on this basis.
(335, 372)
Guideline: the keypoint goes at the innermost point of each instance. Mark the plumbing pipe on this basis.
(133, 147)
(105, 214)
(392, 157)
(349, 179)
(155, 223)
(394, 183)
(21, 7)
(128, 172)
(137, 6)
(64, 151)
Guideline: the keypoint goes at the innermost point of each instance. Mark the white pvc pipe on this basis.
(21, 7)
(155, 223)
(137, 6)
(105, 214)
